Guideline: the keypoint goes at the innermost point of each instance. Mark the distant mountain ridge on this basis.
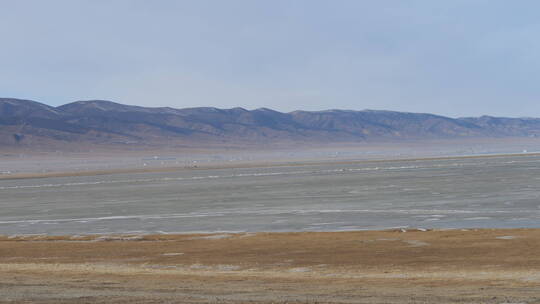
(26, 122)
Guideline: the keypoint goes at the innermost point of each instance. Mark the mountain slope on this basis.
(25, 122)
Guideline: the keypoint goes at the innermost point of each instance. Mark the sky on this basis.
(455, 58)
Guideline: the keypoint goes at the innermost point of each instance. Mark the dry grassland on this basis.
(454, 266)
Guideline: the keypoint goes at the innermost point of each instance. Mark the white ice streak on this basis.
(259, 174)
(433, 212)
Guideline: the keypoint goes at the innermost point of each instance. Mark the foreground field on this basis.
(465, 266)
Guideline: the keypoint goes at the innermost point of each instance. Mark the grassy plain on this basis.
(413, 266)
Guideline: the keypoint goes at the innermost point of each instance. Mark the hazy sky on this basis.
(451, 57)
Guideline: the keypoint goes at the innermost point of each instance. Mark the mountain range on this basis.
(30, 123)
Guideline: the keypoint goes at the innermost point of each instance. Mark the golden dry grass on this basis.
(470, 266)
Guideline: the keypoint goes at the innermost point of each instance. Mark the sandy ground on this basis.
(453, 266)
(240, 165)
(31, 162)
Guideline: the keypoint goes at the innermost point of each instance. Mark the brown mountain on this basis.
(28, 123)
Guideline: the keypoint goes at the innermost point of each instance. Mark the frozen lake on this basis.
(451, 193)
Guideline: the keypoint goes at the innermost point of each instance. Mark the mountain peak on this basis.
(24, 107)
(94, 105)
